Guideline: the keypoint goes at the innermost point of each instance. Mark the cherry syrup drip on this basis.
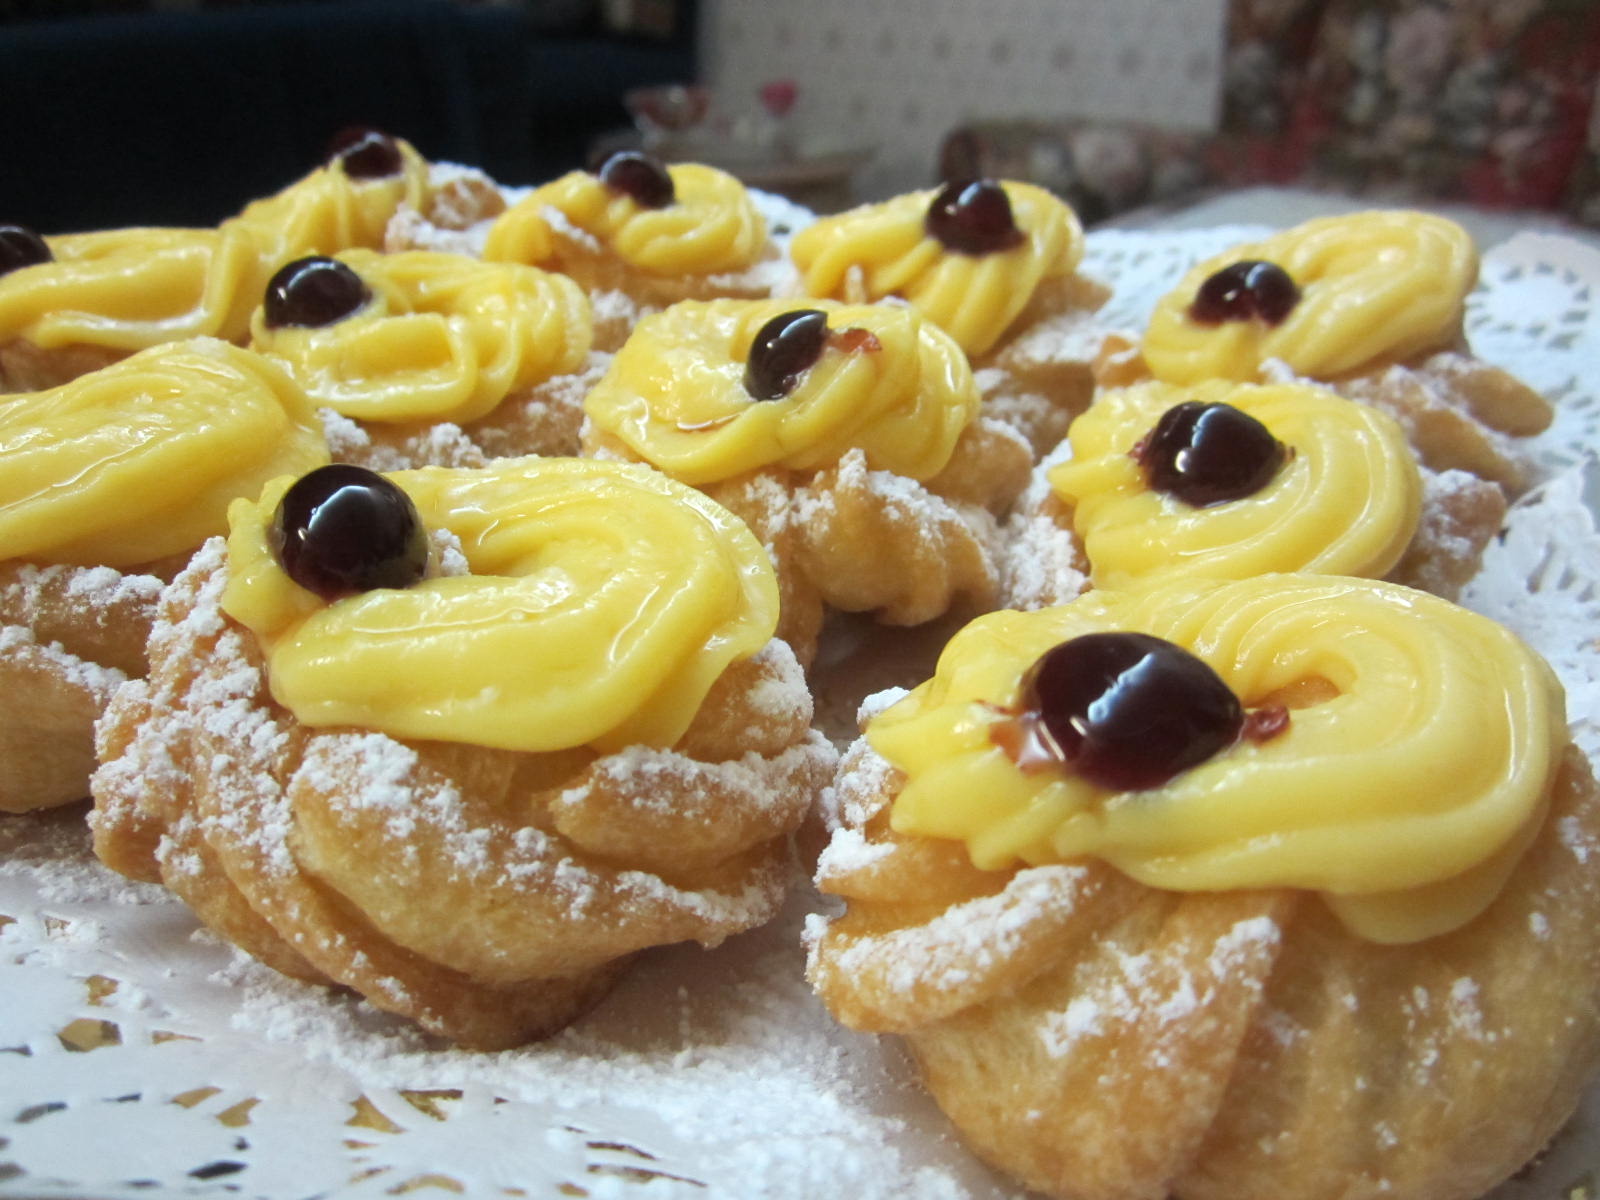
(312, 292)
(1204, 454)
(21, 247)
(343, 529)
(637, 174)
(1247, 289)
(973, 217)
(365, 153)
(1126, 711)
(783, 349)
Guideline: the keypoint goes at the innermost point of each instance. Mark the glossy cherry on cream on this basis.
(312, 292)
(1245, 290)
(21, 247)
(1204, 454)
(365, 153)
(782, 351)
(636, 174)
(973, 217)
(343, 529)
(1127, 711)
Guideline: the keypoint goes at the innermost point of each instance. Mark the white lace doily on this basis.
(141, 1057)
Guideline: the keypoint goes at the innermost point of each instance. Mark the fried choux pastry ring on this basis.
(1228, 891)
(466, 770)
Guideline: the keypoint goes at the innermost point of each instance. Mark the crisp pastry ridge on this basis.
(1104, 1039)
(488, 894)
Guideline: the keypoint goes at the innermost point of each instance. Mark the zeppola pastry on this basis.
(639, 235)
(992, 262)
(107, 484)
(1226, 480)
(465, 740)
(74, 302)
(847, 436)
(429, 358)
(1371, 304)
(1227, 890)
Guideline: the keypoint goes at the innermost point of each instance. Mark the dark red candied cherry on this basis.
(343, 529)
(21, 247)
(1245, 290)
(635, 173)
(312, 292)
(973, 217)
(1204, 454)
(783, 349)
(1128, 711)
(365, 153)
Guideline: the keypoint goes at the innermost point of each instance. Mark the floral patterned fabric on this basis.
(1487, 102)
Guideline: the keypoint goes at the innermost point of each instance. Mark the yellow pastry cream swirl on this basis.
(711, 226)
(887, 382)
(127, 289)
(139, 460)
(1345, 498)
(603, 601)
(442, 337)
(1410, 776)
(882, 250)
(1375, 288)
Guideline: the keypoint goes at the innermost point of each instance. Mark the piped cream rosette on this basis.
(1416, 764)
(887, 383)
(882, 250)
(1345, 500)
(443, 338)
(710, 227)
(870, 481)
(601, 602)
(473, 798)
(109, 293)
(105, 483)
(1379, 316)
(140, 460)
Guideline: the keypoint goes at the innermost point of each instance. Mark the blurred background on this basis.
(180, 111)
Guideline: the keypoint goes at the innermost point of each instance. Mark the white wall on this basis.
(898, 74)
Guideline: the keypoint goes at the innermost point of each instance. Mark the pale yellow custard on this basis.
(711, 227)
(888, 383)
(1375, 288)
(1345, 501)
(883, 250)
(443, 337)
(127, 289)
(140, 459)
(603, 601)
(1415, 764)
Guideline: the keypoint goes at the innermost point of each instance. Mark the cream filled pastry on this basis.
(491, 732)
(87, 299)
(108, 483)
(1227, 480)
(639, 235)
(850, 437)
(1219, 889)
(430, 358)
(1371, 304)
(992, 262)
